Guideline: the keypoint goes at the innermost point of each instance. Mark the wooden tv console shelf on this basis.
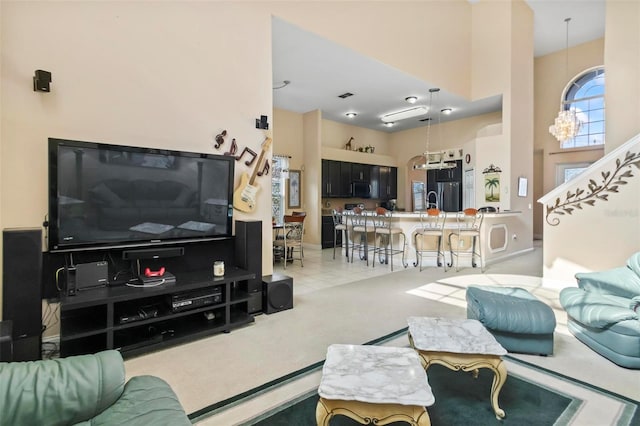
(135, 320)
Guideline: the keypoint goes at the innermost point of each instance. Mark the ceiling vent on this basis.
(345, 95)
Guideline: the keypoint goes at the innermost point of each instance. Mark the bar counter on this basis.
(498, 230)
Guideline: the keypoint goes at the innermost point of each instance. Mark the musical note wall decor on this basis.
(244, 197)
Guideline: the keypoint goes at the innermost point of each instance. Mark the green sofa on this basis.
(604, 312)
(84, 390)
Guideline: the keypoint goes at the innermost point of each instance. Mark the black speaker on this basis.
(248, 255)
(41, 81)
(21, 289)
(153, 253)
(6, 341)
(277, 293)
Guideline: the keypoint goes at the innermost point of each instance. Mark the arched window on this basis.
(586, 95)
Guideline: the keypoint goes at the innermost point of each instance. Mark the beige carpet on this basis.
(216, 368)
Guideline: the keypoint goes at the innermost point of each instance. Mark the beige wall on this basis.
(575, 244)
(550, 81)
(396, 33)
(176, 77)
(451, 134)
(174, 74)
(622, 59)
(336, 135)
(597, 237)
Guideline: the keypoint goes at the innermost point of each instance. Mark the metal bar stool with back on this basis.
(469, 222)
(428, 240)
(384, 231)
(360, 230)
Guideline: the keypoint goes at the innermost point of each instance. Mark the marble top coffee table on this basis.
(374, 385)
(460, 344)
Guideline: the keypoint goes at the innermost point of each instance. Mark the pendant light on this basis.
(433, 160)
(566, 125)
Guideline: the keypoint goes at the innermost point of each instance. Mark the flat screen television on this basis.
(104, 196)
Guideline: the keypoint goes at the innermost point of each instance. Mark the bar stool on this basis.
(432, 227)
(339, 225)
(385, 231)
(469, 222)
(361, 229)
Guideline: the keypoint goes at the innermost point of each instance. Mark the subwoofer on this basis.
(21, 289)
(277, 293)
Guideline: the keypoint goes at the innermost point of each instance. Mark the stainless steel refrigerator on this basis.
(449, 196)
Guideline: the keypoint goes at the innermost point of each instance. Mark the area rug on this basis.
(531, 396)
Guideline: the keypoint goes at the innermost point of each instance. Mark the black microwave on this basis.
(361, 189)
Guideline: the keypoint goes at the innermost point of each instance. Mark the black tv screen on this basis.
(103, 195)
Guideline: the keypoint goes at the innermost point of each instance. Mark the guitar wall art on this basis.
(244, 196)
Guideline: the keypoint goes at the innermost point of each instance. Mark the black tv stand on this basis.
(90, 320)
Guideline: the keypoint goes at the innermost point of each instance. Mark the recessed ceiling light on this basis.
(411, 99)
(351, 114)
(446, 111)
(389, 124)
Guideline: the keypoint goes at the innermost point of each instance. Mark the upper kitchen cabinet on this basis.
(361, 172)
(384, 182)
(346, 189)
(330, 178)
(336, 179)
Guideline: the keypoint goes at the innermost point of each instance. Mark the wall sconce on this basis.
(41, 81)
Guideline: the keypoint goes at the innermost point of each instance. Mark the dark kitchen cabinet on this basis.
(331, 183)
(361, 172)
(327, 233)
(384, 182)
(346, 189)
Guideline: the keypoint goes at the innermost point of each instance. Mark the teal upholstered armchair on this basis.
(604, 312)
(84, 390)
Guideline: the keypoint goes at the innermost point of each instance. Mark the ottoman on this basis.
(517, 319)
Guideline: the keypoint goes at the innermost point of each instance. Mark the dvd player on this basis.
(195, 299)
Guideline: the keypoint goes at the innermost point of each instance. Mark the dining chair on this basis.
(384, 231)
(466, 238)
(291, 243)
(428, 239)
(296, 213)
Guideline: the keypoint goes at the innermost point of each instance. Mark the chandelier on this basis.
(566, 125)
(433, 160)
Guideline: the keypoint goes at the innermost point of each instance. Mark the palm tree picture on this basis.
(492, 187)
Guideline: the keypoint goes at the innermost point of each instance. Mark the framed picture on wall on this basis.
(492, 187)
(293, 198)
(522, 187)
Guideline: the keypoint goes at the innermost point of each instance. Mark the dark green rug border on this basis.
(211, 409)
(287, 377)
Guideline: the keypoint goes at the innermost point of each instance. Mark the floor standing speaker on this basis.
(277, 293)
(248, 256)
(21, 289)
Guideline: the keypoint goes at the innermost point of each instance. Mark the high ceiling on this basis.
(319, 70)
